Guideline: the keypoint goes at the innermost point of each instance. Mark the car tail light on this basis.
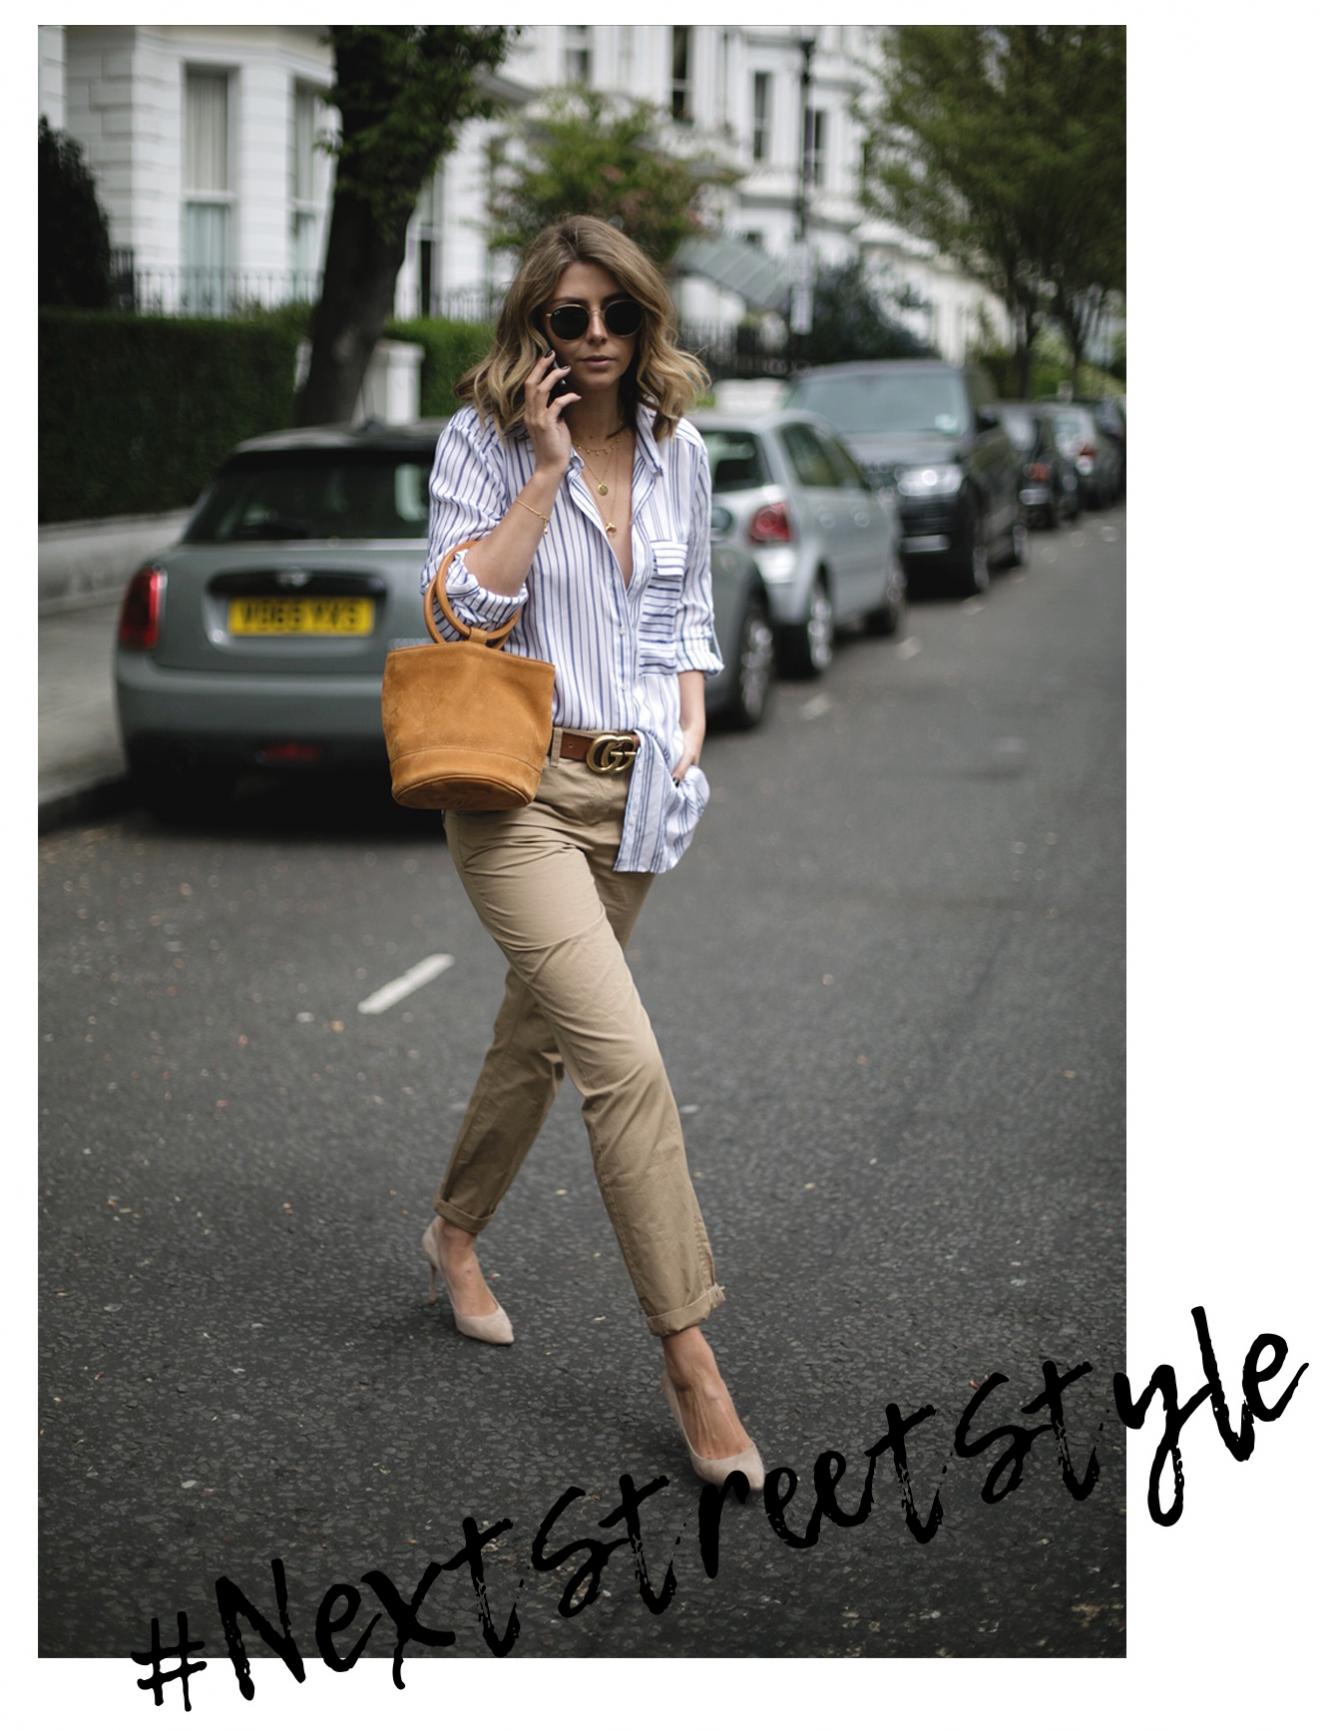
(141, 609)
(771, 523)
(289, 751)
(1038, 472)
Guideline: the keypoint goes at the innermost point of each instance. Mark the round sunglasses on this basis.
(621, 317)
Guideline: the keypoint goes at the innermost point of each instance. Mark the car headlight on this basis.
(934, 481)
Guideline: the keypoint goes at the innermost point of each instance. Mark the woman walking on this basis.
(587, 499)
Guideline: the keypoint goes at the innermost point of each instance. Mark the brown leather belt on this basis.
(603, 753)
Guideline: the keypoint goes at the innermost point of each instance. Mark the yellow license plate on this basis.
(301, 616)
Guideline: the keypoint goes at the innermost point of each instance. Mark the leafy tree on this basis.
(1003, 146)
(404, 91)
(851, 323)
(582, 152)
(1118, 366)
(73, 244)
(1086, 266)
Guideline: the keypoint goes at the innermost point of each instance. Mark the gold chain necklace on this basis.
(605, 449)
(611, 527)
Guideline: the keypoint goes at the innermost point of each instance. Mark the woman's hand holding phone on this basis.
(547, 396)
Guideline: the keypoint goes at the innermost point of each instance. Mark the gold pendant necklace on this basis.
(602, 488)
(599, 451)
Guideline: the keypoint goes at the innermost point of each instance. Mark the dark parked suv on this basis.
(931, 431)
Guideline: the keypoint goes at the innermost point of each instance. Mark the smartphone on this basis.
(560, 385)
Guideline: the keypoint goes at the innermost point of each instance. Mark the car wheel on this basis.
(1018, 540)
(757, 656)
(808, 648)
(884, 621)
(973, 572)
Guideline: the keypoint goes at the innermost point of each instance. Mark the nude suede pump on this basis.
(715, 1472)
(494, 1328)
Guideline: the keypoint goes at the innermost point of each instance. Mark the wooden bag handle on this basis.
(437, 592)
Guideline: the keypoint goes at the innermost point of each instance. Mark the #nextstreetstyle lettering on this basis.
(340, 1606)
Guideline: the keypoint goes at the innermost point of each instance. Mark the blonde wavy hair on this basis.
(662, 375)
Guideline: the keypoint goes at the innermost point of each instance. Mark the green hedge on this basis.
(1050, 368)
(450, 346)
(134, 413)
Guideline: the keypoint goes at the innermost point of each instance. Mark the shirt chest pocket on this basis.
(658, 628)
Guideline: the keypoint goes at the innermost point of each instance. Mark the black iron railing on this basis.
(727, 351)
(206, 291)
(736, 351)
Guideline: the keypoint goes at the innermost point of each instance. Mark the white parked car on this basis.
(826, 540)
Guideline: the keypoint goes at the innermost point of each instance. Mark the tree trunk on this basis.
(1025, 321)
(360, 275)
(1076, 356)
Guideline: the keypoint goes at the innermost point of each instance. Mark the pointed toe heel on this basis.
(715, 1472)
(494, 1327)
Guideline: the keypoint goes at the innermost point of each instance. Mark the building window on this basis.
(304, 206)
(425, 275)
(208, 197)
(577, 54)
(817, 147)
(681, 93)
(426, 248)
(761, 116)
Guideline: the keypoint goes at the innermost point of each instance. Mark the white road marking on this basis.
(907, 647)
(404, 985)
(972, 607)
(814, 707)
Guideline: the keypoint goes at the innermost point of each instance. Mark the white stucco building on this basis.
(202, 140)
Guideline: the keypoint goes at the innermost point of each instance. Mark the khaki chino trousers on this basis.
(541, 879)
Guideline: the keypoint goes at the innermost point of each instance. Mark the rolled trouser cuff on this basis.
(687, 1315)
(459, 1217)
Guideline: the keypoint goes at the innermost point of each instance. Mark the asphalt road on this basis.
(888, 980)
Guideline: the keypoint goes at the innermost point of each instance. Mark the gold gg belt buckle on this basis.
(611, 753)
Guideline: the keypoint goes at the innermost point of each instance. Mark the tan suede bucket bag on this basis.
(467, 727)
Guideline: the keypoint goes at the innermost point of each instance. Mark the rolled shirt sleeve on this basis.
(467, 500)
(698, 649)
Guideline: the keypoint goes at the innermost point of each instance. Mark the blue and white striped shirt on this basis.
(617, 649)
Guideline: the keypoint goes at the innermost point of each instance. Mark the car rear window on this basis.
(736, 460)
(1074, 424)
(811, 462)
(886, 402)
(317, 496)
(1020, 427)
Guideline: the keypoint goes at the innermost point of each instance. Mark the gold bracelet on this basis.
(544, 519)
